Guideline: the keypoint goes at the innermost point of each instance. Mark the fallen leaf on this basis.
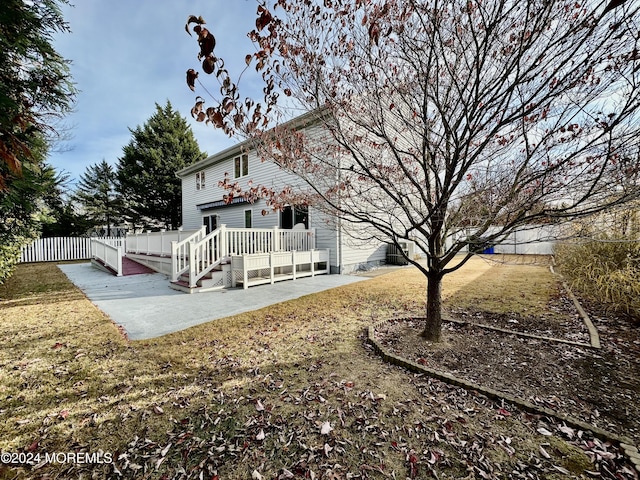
(260, 436)
(544, 431)
(326, 428)
(544, 453)
(327, 449)
(568, 431)
(562, 470)
(164, 451)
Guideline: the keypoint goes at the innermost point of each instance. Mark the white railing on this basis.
(109, 252)
(257, 269)
(241, 241)
(158, 243)
(55, 249)
(198, 256)
(180, 250)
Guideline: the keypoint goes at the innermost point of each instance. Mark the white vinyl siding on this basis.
(345, 254)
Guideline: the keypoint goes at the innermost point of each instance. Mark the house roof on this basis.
(245, 146)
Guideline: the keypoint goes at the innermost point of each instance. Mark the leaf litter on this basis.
(258, 407)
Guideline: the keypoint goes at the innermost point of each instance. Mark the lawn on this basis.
(289, 391)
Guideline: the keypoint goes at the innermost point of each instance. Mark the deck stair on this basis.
(227, 257)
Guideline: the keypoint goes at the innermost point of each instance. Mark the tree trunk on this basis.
(433, 324)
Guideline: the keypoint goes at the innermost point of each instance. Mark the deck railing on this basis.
(181, 252)
(241, 241)
(109, 252)
(158, 243)
(198, 256)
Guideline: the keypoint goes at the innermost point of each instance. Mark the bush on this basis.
(13, 236)
(605, 269)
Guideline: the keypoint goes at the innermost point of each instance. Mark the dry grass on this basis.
(69, 381)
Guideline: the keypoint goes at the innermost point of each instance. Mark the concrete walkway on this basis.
(146, 307)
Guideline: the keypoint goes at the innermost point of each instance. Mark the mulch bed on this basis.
(598, 386)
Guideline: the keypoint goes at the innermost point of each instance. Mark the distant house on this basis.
(203, 204)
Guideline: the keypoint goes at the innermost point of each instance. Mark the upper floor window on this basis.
(200, 180)
(241, 165)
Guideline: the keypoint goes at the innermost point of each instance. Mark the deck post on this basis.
(271, 268)
(293, 260)
(119, 254)
(222, 241)
(275, 244)
(245, 272)
(313, 271)
(192, 264)
(174, 261)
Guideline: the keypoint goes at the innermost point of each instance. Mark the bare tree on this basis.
(433, 119)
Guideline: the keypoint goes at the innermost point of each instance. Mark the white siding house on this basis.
(203, 204)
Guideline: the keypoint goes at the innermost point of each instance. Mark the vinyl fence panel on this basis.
(57, 249)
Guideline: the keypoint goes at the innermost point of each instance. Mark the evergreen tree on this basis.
(96, 193)
(60, 217)
(35, 88)
(35, 85)
(146, 171)
(22, 204)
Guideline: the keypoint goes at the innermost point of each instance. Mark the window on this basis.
(241, 166)
(291, 216)
(210, 222)
(200, 180)
(248, 217)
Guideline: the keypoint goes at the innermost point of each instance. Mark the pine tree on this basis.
(96, 192)
(146, 171)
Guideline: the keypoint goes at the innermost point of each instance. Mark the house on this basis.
(203, 204)
(225, 244)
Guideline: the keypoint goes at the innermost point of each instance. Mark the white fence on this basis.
(56, 249)
(527, 240)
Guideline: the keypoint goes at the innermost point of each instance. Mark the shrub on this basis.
(605, 268)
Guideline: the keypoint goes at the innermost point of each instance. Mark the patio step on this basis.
(213, 280)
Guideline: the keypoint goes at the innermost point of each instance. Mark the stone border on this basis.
(593, 331)
(626, 444)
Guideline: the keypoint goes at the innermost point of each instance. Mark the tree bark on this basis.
(433, 324)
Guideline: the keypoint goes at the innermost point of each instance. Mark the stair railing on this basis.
(180, 253)
(206, 254)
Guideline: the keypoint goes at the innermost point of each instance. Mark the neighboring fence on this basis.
(57, 249)
(527, 240)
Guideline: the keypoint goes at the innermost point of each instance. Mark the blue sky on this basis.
(128, 55)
